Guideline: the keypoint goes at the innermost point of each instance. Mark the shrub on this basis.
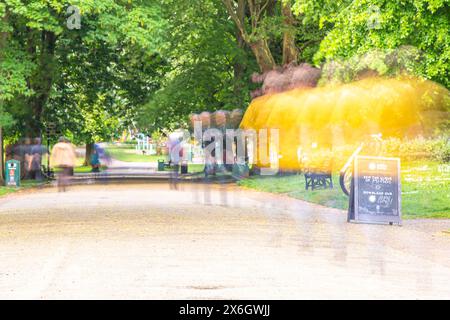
(419, 148)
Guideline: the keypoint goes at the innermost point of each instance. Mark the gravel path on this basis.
(207, 241)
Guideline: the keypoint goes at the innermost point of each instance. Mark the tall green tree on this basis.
(273, 33)
(45, 51)
(209, 67)
(378, 27)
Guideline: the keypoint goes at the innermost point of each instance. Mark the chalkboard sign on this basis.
(377, 190)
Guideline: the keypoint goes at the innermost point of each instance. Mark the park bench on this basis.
(318, 175)
(318, 180)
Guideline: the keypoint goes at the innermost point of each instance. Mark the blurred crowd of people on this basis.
(214, 141)
(29, 151)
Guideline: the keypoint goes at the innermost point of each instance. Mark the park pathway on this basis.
(117, 166)
(121, 169)
(209, 241)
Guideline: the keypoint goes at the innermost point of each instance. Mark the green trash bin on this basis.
(160, 165)
(12, 174)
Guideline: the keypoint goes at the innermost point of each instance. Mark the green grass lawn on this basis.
(128, 154)
(79, 169)
(79, 166)
(26, 184)
(195, 168)
(425, 190)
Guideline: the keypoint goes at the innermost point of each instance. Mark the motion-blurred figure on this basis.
(103, 155)
(63, 156)
(21, 151)
(175, 155)
(95, 161)
(37, 150)
(26, 157)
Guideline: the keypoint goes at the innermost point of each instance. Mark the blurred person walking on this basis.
(175, 149)
(37, 151)
(103, 155)
(63, 156)
(26, 157)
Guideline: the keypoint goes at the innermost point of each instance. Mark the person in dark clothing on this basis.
(37, 150)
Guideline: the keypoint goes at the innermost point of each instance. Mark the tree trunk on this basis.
(87, 157)
(2, 159)
(260, 48)
(238, 70)
(264, 58)
(3, 39)
(290, 51)
(238, 67)
(42, 82)
(3, 36)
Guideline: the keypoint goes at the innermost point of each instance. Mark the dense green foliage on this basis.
(207, 68)
(150, 63)
(437, 149)
(372, 31)
(86, 79)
